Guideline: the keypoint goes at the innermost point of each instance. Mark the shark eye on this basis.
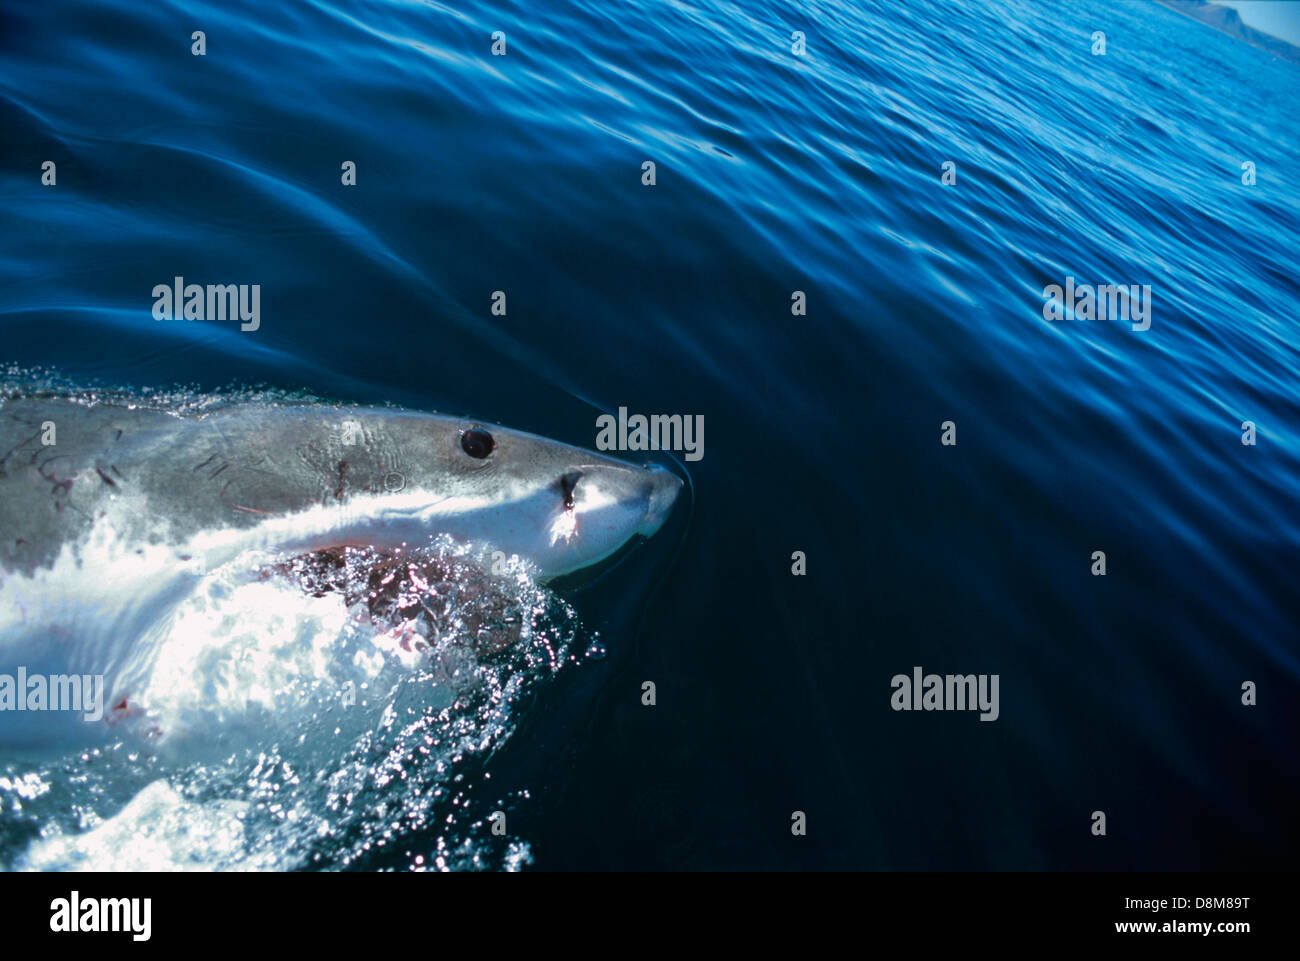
(477, 442)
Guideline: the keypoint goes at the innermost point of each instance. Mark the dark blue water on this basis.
(775, 173)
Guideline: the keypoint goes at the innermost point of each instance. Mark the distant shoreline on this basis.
(1227, 20)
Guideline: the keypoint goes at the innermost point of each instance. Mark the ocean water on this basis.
(775, 172)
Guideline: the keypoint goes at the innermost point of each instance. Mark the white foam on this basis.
(285, 730)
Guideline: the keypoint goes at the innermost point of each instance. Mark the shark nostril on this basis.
(568, 482)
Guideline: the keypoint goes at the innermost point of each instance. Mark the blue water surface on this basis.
(775, 172)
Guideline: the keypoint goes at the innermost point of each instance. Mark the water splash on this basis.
(313, 712)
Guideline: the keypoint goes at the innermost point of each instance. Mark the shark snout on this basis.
(664, 486)
(593, 508)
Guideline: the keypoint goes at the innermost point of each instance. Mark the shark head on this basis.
(145, 505)
(560, 507)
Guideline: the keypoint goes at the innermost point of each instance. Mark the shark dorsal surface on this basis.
(303, 477)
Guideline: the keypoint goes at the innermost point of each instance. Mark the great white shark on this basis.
(110, 511)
